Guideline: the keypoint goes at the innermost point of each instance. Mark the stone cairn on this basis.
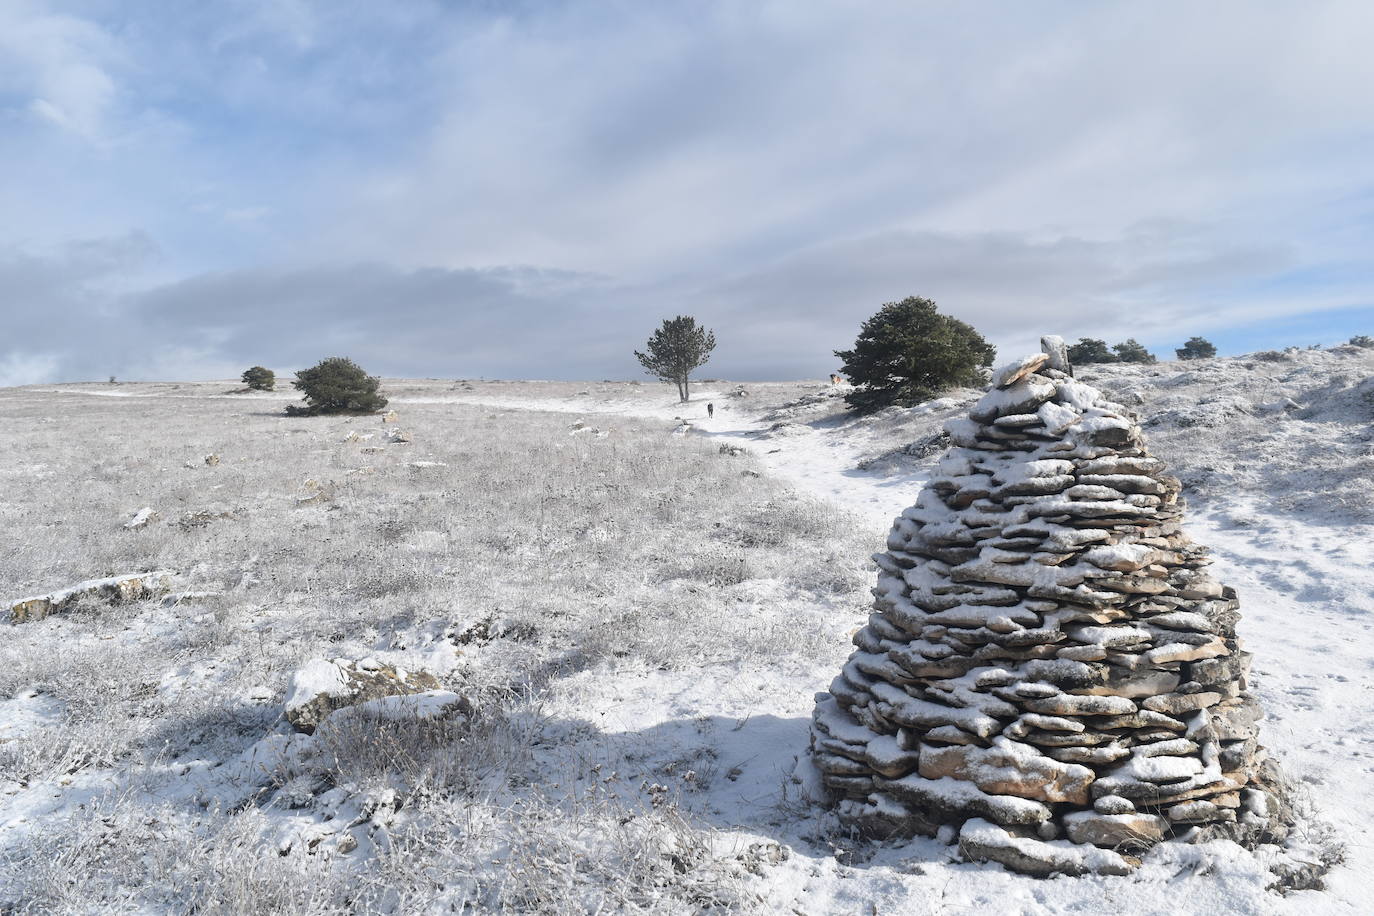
(1049, 673)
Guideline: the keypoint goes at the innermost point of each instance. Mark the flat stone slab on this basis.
(114, 589)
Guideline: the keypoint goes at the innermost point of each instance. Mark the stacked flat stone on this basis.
(1048, 669)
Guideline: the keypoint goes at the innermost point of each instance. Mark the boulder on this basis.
(323, 686)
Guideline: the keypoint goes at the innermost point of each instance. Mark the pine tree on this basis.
(1196, 348)
(908, 352)
(337, 385)
(1131, 351)
(1090, 350)
(260, 379)
(675, 349)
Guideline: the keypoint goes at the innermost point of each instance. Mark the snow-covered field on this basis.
(640, 616)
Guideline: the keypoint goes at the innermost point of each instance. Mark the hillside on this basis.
(638, 609)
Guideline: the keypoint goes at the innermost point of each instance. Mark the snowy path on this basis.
(813, 460)
(1307, 594)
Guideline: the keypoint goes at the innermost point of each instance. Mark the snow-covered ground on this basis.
(676, 739)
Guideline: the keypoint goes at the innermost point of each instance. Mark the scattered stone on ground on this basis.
(115, 590)
(176, 598)
(1047, 652)
(199, 518)
(212, 460)
(313, 491)
(396, 434)
(142, 518)
(323, 686)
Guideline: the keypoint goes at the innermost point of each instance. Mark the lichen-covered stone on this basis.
(324, 686)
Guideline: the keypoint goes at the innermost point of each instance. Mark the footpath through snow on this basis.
(1307, 599)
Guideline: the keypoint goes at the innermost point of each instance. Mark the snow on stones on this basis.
(115, 589)
(141, 519)
(323, 686)
(1047, 652)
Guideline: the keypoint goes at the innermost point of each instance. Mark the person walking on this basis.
(710, 409)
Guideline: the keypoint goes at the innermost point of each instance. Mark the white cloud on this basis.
(62, 63)
(777, 169)
(28, 368)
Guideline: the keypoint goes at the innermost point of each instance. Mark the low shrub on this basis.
(336, 385)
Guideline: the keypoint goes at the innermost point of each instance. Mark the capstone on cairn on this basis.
(1048, 670)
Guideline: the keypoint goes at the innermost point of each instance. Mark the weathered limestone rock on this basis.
(427, 705)
(322, 687)
(981, 841)
(1009, 768)
(141, 519)
(1047, 652)
(115, 590)
(1128, 830)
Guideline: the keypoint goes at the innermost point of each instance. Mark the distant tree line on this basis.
(906, 353)
(1091, 350)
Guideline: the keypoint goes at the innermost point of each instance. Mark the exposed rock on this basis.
(396, 434)
(321, 687)
(1010, 768)
(115, 590)
(175, 598)
(313, 491)
(981, 841)
(426, 705)
(1113, 804)
(1048, 640)
(1053, 346)
(142, 518)
(1126, 830)
(212, 460)
(1013, 372)
(1178, 703)
(199, 518)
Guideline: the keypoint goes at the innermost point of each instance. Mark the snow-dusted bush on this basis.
(909, 352)
(336, 385)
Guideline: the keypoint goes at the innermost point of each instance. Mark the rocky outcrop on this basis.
(115, 590)
(324, 686)
(1048, 666)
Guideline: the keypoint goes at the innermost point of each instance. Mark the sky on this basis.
(527, 189)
